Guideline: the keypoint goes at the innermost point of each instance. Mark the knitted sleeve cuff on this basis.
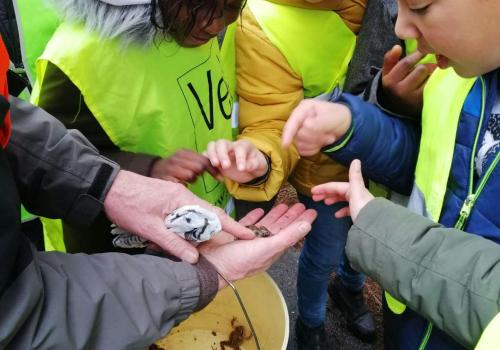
(209, 282)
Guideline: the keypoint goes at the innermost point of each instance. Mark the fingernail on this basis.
(304, 227)
(357, 164)
(191, 257)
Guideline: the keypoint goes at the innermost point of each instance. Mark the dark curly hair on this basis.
(169, 11)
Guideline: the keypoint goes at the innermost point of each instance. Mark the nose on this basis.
(405, 28)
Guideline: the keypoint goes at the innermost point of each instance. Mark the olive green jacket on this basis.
(450, 277)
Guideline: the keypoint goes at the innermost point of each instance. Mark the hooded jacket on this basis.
(124, 31)
(396, 144)
(266, 101)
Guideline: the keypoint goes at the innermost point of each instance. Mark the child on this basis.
(412, 263)
(143, 81)
(456, 178)
(275, 37)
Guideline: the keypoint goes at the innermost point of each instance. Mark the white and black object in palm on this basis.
(193, 223)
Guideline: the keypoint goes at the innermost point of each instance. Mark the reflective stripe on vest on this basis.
(444, 97)
(228, 54)
(36, 22)
(153, 100)
(296, 32)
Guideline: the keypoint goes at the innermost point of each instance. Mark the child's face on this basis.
(206, 28)
(464, 34)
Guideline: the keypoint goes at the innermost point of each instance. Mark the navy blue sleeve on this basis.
(387, 146)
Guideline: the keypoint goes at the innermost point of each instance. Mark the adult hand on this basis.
(184, 166)
(239, 259)
(403, 81)
(315, 124)
(240, 160)
(353, 192)
(139, 204)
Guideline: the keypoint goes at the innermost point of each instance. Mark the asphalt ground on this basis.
(284, 273)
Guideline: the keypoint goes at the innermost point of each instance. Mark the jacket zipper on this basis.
(471, 198)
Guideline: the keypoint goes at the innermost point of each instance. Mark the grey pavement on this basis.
(284, 273)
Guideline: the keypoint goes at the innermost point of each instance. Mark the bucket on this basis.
(265, 306)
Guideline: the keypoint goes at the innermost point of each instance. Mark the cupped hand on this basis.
(139, 204)
(353, 192)
(238, 259)
(239, 160)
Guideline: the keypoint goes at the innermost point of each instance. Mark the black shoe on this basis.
(311, 338)
(352, 306)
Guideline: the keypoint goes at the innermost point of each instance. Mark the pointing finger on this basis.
(356, 181)
(294, 123)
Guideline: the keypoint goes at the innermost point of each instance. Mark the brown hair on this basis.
(169, 11)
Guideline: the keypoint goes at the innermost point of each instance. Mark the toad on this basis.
(236, 338)
(260, 231)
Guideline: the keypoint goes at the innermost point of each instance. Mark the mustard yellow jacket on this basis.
(268, 91)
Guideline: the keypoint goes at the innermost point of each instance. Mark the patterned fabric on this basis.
(491, 141)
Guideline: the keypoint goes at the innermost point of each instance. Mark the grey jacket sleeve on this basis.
(449, 276)
(59, 174)
(61, 301)
(102, 301)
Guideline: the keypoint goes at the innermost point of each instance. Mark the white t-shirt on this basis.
(491, 141)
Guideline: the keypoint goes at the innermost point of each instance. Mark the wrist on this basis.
(341, 141)
(260, 179)
(222, 283)
(344, 126)
(119, 194)
(265, 167)
(159, 170)
(153, 167)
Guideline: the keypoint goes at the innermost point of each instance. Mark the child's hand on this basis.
(315, 124)
(403, 81)
(184, 166)
(239, 161)
(353, 192)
